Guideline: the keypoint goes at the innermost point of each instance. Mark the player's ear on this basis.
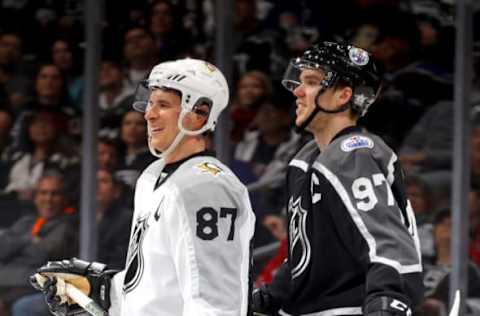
(344, 94)
(201, 112)
(197, 118)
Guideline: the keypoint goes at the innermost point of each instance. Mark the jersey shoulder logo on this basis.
(135, 260)
(356, 142)
(300, 249)
(209, 167)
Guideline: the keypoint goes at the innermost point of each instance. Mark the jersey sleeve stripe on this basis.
(331, 312)
(299, 164)
(391, 169)
(341, 191)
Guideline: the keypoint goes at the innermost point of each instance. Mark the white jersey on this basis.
(189, 251)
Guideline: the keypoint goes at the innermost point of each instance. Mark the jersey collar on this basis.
(346, 131)
(170, 168)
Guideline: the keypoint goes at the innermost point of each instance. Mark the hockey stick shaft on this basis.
(456, 305)
(78, 297)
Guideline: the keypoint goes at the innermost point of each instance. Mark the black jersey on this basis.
(352, 231)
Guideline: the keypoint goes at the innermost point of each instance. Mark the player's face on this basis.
(307, 91)
(162, 116)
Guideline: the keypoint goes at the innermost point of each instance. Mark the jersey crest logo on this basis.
(356, 142)
(300, 248)
(209, 168)
(135, 260)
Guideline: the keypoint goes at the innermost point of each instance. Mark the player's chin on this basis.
(299, 121)
(159, 145)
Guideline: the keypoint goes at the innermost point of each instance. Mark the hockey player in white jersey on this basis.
(353, 243)
(189, 251)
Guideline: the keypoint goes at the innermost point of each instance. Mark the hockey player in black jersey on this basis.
(353, 244)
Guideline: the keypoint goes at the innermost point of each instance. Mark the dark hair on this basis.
(54, 173)
(441, 215)
(112, 142)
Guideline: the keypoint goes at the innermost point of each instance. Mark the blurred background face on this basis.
(244, 10)
(42, 129)
(138, 44)
(107, 156)
(49, 82)
(5, 124)
(162, 18)
(442, 232)
(49, 198)
(250, 89)
(62, 56)
(134, 129)
(276, 225)
(107, 190)
(110, 75)
(475, 153)
(418, 198)
(271, 119)
(10, 49)
(474, 208)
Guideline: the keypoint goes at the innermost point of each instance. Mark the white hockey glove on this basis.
(92, 278)
(386, 306)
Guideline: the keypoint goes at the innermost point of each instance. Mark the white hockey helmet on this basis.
(199, 82)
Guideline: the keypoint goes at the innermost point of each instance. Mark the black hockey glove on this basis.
(92, 278)
(263, 303)
(386, 306)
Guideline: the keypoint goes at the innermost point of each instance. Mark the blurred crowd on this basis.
(42, 47)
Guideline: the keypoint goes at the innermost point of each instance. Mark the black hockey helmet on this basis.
(341, 63)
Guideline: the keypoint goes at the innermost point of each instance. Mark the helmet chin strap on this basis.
(181, 134)
(319, 108)
(163, 155)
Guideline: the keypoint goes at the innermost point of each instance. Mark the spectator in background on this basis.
(113, 219)
(136, 156)
(252, 87)
(140, 54)
(6, 123)
(256, 48)
(258, 147)
(50, 94)
(108, 154)
(403, 99)
(42, 149)
(66, 58)
(424, 150)
(263, 155)
(436, 276)
(166, 25)
(474, 202)
(116, 96)
(420, 196)
(15, 73)
(475, 156)
(277, 226)
(34, 239)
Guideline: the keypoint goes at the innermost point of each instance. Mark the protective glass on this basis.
(142, 94)
(291, 78)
